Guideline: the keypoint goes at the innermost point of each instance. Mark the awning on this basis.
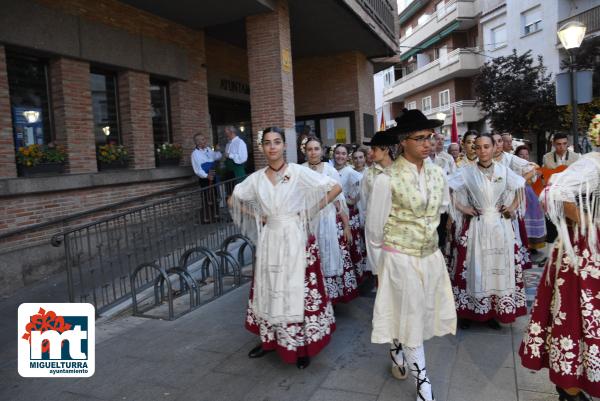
(435, 38)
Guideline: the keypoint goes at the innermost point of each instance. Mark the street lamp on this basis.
(571, 35)
(441, 116)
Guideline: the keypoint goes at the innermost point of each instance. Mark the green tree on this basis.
(518, 96)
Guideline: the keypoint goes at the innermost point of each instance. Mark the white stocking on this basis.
(416, 364)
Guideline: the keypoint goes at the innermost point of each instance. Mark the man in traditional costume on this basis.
(414, 300)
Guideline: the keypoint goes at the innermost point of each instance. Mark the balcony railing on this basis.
(441, 62)
(590, 18)
(458, 106)
(382, 12)
(437, 15)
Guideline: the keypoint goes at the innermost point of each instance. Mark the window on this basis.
(408, 31)
(105, 107)
(29, 99)
(498, 36)
(445, 98)
(161, 121)
(531, 20)
(426, 104)
(423, 19)
(411, 105)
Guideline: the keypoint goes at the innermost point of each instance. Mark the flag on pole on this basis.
(454, 131)
(382, 123)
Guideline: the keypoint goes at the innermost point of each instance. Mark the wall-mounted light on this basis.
(31, 116)
(242, 128)
(106, 130)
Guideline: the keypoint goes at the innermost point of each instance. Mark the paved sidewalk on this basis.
(203, 356)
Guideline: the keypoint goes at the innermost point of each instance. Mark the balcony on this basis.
(456, 14)
(466, 112)
(457, 64)
(590, 18)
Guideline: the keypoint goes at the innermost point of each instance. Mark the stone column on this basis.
(270, 75)
(136, 118)
(72, 109)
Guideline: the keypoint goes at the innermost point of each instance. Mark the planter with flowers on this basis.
(168, 154)
(39, 160)
(112, 157)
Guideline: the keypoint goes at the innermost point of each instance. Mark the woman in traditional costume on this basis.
(334, 235)
(535, 224)
(382, 153)
(469, 156)
(487, 278)
(276, 207)
(350, 180)
(563, 334)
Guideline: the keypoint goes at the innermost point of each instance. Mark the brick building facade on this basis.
(143, 74)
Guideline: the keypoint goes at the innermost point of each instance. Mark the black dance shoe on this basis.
(493, 324)
(258, 352)
(302, 362)
(564, 396)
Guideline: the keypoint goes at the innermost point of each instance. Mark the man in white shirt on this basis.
(236, 153)
(507, 140)
(441, 158)
(203, 163)
(561, 156)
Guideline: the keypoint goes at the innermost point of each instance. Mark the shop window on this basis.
(29, 99)
(161, 117)
(331, 128)
(105, 107)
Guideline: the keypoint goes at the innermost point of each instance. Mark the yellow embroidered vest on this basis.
(412, 225)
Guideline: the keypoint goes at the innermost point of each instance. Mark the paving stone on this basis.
(338, 395)
(533, 380)
(486, 349)
(474, 382)
(535, 396)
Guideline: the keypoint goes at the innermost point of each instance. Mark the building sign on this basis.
(286, 60)
(229, 87)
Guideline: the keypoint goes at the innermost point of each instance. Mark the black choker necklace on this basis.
(486, 167)
(277, 170)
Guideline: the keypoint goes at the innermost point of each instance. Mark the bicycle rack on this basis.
(245, 244)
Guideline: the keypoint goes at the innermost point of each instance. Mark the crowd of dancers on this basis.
(446, 236)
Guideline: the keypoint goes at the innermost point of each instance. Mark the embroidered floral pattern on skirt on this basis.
(300, 339)
(342, 288)
(503, 308)
(563, 334)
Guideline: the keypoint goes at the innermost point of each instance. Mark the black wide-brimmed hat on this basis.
(411, 121)
(381, 138)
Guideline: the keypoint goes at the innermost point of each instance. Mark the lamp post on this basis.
(106, 131)
(441, 116)
(571, 35)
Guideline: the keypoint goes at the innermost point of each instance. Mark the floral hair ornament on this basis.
(594, 130)
(259, 138)
(303, 145)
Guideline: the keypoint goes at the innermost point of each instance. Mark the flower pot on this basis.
(117, 165)
(41, 170)
(167, 162)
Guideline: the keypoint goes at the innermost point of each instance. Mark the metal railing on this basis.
(441, 62)
(590, 18)
(448, 107)
(383, 13)
(437, 15)
(101, 256)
